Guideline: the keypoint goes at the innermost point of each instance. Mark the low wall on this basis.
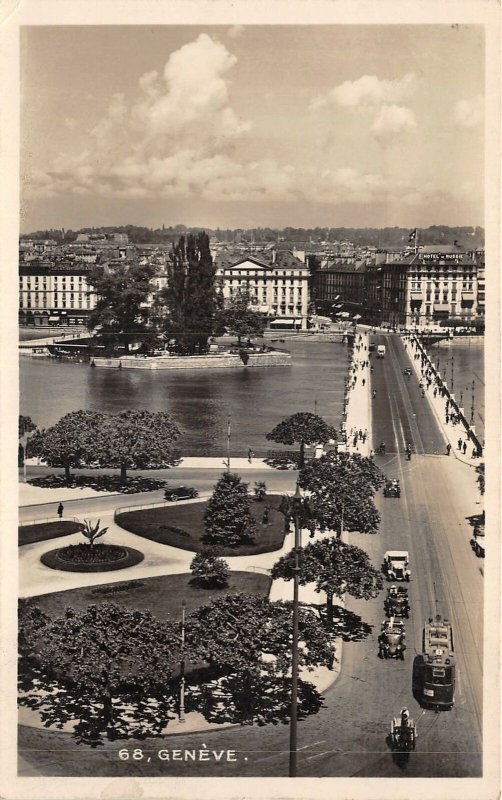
(196, 362)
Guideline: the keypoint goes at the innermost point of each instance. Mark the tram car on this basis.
(437, 684)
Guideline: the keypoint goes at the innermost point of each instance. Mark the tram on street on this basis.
(438, 664)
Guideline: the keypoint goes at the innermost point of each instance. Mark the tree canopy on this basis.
(71, 442)
(26, 425)
(342, 488)
(244, 631)
(305, 428)
(228, 519)
(122, 311)
(209, 571)
(101, 666)
(136, 439)
(190, 297)
(335, 568)
(239, 318)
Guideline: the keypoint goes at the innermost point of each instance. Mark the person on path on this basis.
(250, 456)
(459, 444)
(448, 449)
(474, 452)
(464, 447)
(60, 510)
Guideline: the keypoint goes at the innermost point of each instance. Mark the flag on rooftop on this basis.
(413, 235)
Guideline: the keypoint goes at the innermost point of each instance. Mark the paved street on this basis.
(347, 738)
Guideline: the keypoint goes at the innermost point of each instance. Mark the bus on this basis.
(438, 664)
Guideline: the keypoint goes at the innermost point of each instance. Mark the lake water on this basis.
(200, 401)
(467, 358)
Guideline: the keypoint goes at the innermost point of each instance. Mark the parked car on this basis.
(180, 493)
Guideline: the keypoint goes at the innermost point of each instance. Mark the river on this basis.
(461, 363)
(200, 401)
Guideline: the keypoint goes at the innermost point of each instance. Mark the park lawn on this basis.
(183, 526)
(161, 595)
(29, 534)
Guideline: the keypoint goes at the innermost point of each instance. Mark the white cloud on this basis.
(469, 113)
(367, 92)
(392, 120)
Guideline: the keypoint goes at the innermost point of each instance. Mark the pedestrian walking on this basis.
(464, 447)
(250, 456)
(448, 449)
(459, 444)
(364, 381)
(474, 452)
(60, 510)
(447, 418)
(435, 392)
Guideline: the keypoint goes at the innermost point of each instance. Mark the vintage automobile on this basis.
(396, 604)
(392, 639)
(478, 540)
(403, 732)
(392, 488)
(180, 493)
(396, 565)
(407, 371)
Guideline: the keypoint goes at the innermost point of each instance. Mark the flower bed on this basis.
(99, 558)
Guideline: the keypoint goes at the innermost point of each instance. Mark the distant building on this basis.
(339, 287)
(55, 294)
(277, 281)
(425, 288)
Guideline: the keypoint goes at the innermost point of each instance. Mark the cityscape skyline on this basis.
(204, 124)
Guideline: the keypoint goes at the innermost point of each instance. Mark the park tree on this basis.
(335, 568)
(305, 428)
(70, 443)
(341, 490)
(122, 312)
(136, 439)
(228, 520)
(208, 570)
(190, 297)
(246, 642)
(109, 667)
(239, 318)
(26, 425)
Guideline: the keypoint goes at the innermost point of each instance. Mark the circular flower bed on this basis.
(99, 558)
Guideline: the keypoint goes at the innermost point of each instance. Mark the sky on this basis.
(245, 126)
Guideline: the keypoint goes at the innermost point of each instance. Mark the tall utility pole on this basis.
(452, 374)
(181, 716)
(472, 402)
(293, 740)
(229, 433)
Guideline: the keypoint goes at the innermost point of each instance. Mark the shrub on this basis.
(209, 571)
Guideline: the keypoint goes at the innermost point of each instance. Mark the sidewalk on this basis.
(455, 434)
(358, 403)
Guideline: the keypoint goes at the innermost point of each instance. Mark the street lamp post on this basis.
(293, 741)
(472, 403)
(452, 374)
(181, 716)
